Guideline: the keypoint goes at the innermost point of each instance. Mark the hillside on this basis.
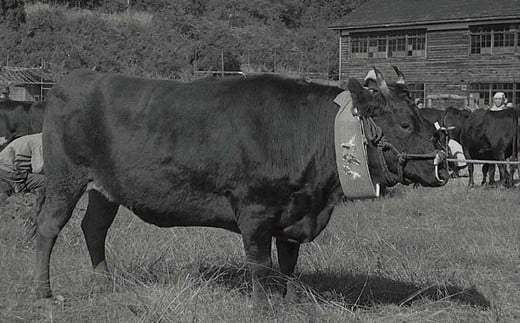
(172, 39)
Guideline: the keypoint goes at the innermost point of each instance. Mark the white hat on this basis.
(499, 95)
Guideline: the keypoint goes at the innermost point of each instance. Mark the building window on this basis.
(359, 48)
(482, 94)
(377, 47)
(417, 91)
(385, 45)
(497, 39)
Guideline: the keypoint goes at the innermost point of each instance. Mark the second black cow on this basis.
(491, 135)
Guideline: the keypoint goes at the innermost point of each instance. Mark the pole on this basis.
(480, 161)
(41, 79)
(328, 65)
(274, 61)
(222, 62)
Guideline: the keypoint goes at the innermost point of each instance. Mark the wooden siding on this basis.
(447, 69)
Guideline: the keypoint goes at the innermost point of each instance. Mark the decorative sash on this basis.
(351, 154)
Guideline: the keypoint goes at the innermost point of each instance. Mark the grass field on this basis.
(419, 255)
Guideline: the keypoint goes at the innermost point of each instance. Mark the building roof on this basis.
(389, 13)
(24, 75)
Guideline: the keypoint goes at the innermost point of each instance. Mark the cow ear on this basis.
(360, 96)
(400, 75)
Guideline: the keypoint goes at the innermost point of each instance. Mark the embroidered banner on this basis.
(351, 156)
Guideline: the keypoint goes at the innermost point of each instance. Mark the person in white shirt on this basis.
(21, 165)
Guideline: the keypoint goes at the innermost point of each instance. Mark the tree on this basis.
(12, 13)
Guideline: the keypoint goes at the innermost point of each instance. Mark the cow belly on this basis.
(174, 207)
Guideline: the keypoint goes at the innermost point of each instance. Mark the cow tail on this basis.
(31, 222)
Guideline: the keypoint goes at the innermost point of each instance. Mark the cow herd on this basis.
(253, 155)
(484, 135)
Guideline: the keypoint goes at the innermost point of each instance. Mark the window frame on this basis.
(491, 35)
(510, 89)
(396, 44)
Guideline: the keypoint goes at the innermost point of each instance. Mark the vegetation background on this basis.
(172, 38)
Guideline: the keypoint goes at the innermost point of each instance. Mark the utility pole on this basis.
(128, 7)
(222, 62)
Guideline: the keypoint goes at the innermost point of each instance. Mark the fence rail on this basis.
(481, 161)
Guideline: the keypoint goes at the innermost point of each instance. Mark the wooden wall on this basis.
(447, 69)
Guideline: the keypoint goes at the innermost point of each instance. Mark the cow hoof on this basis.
(292, 296)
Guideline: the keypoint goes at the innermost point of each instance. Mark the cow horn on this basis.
(381, 83)
(400, 75)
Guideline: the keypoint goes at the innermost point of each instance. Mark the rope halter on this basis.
(374, 134)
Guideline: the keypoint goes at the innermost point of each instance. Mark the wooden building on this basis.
(25, 84)
(452, 52)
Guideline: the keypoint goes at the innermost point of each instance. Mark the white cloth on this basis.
(495, 108)
(457, 152)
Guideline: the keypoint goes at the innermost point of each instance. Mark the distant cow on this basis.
(451, 120)
(255, 156)
(491, 135)
(19, 118)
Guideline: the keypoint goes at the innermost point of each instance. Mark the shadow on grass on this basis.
(354, 290)
(372, 290)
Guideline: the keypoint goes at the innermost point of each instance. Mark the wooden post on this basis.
(222, 62)
(274, 61)
(328, 65)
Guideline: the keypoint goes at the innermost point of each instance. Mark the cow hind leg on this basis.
(471, 169)
(287, 259)
(98, 218)
(56, 211)
(491, 173)
(485, 172)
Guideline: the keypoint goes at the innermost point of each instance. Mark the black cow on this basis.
(19, 118)
(452, 119)
(255, 156)
(432, 115)
(491, 135)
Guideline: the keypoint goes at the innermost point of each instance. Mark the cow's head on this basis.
(397, 119)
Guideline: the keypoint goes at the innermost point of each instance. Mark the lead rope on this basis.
(374, 134)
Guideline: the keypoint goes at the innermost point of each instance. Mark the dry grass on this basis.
(419, 255)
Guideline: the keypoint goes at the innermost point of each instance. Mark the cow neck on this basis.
(374, 134)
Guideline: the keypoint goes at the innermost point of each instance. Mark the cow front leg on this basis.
(256, 228)
(98, 218)
(287, 258)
